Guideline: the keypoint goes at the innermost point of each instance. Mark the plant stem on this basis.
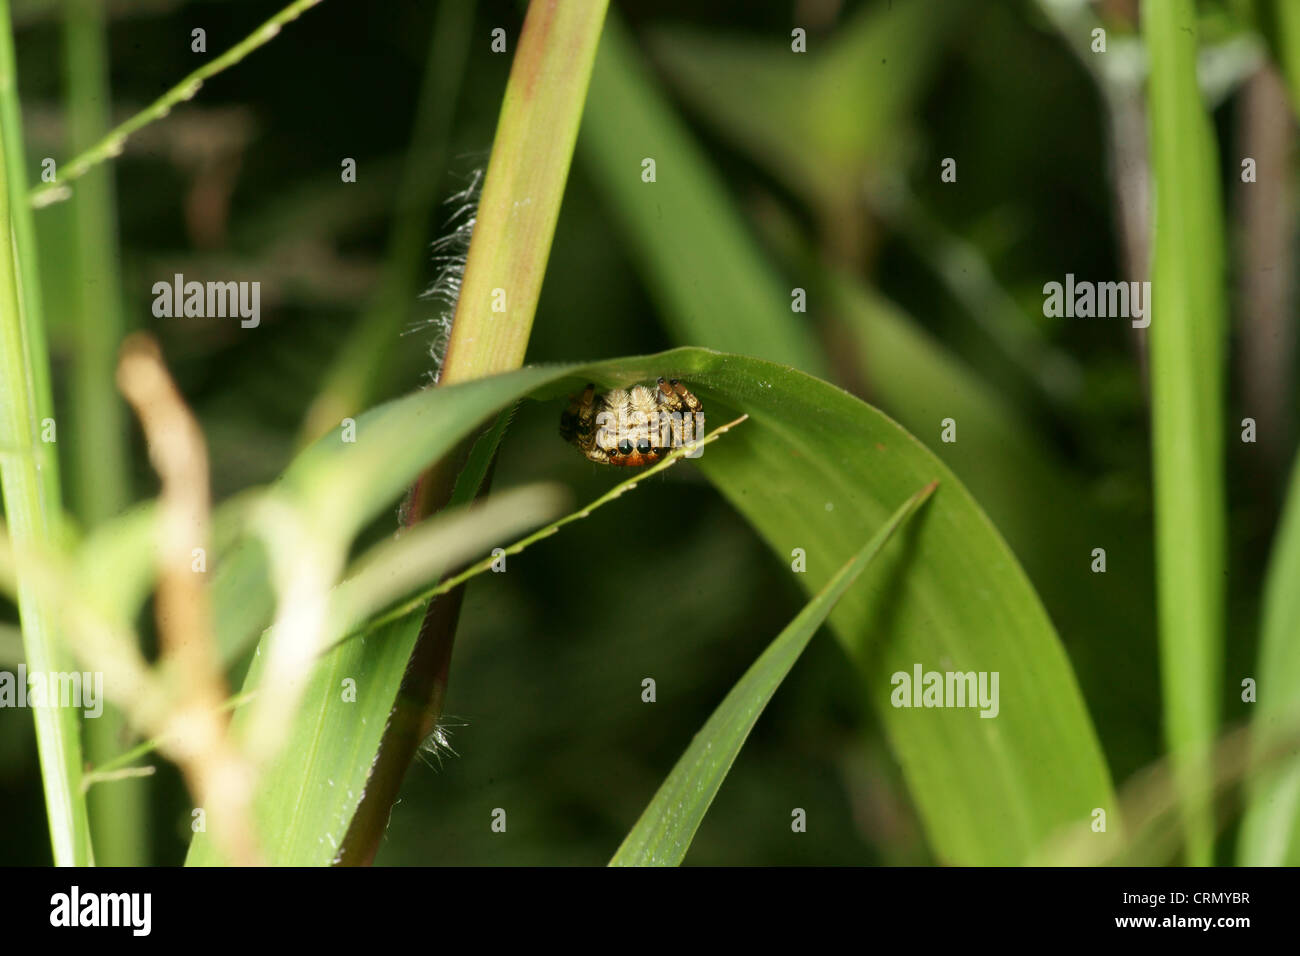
(1187, 390)
(511, 243)
(28, 473)
(524, 186)
(100, 480)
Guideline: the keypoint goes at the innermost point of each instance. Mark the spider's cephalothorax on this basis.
(632, 427)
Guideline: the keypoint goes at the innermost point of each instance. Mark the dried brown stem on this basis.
(196, 729)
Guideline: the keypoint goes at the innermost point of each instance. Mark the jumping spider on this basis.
(632, 427)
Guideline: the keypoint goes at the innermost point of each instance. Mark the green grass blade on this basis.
(396, 569)
(1187, 390)
(479, 461)
(28, 473)
(1270, 829)
(32, 319)
(522, 189)
(1049, 517)
(348, 484)
(99, 484)
(665, 830)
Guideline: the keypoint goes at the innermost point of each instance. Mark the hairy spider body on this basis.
(632, 427)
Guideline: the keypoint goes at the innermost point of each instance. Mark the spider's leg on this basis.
(686, 397)
(692, 413)
(670, 409)
(577, 422)
(686, 410)
(668, 397)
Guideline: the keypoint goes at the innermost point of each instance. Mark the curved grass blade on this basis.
(665, 830)
(29, 473)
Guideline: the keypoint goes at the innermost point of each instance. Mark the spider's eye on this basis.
(625, 447)
(643, 446)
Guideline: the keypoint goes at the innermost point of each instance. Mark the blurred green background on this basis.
(243, 182)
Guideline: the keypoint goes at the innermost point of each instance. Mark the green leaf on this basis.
(29, 470)
(522, 189)
(1187, 316)
(1051, 519)
(347, 484)
(813, 468)
(665, 830)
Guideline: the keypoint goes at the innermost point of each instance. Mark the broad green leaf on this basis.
(665, 830)
(813, 468)
(1270, 830)
(1187, 316)
(1052, 520)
